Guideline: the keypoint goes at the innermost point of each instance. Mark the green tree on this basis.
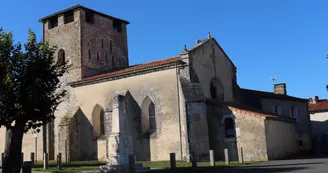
(29, 94)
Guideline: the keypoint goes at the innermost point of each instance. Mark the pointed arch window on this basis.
(98, 121)
(148, 122)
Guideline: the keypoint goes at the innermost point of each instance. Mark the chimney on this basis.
(315, 99)
(280, 89)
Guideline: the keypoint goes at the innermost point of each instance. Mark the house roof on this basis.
(271, 95)
(78, 6)
(319, 106)
(127, 71)
(249, 112)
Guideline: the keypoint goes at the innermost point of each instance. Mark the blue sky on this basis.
(264, 38)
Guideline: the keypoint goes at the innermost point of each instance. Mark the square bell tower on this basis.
(91, 41)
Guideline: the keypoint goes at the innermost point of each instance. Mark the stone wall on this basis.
(251, 137)
(209, 62)
(161, 87)
(281, 139)
(98, 38)
(303, 126)
(250, 134)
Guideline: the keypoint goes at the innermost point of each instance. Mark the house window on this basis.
(61, 57)
(293, 112)
(229, 128)
(89, 17)
(53, 22)
(117, 26)
(89, 52)
(69, 17)
(97, 56)
(276, 109)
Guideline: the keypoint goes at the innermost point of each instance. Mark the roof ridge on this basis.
(130, 69)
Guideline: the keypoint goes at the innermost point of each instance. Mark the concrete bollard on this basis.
(132, 166)
(22, 160)
(172, 161)
(241, 155)
(66, 152)
(27, 167)
(32, 158)
(45, 160)
(2, 158)
(193, 160)
(226, 157)
(59, 161)
(212, 158)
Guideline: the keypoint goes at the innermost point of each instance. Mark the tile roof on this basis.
(245, 111)
(319, 106)
(272, 95)
(131, 69)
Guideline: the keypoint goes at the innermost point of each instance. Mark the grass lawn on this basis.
(94, 165)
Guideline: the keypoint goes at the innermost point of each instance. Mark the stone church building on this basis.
(187, 103)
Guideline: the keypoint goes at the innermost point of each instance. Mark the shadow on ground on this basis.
(280, 165)
(233, 170)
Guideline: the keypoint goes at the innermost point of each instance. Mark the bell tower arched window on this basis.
(61, 57)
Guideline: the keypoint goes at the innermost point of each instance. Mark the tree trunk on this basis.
(13, 149)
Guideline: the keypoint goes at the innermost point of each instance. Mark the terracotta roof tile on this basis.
(321, 105)
(243, 110)
(131, 69)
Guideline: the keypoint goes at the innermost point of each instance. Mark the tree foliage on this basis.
(29, 82)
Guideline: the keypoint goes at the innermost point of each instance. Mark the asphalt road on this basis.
(283, 166)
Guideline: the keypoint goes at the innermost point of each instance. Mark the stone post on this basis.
(27, 167)
(241, 155)
(36, 147)
(172, 161)
(212, 158)
(59, 161)
(132, 166)
(45, 160)
(226, 157)
(194, 160)
(2, 158)
(32, 158)
(22, 160)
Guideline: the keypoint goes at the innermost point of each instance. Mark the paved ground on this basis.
(283, 166)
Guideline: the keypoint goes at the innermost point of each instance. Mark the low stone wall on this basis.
(281, 139)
